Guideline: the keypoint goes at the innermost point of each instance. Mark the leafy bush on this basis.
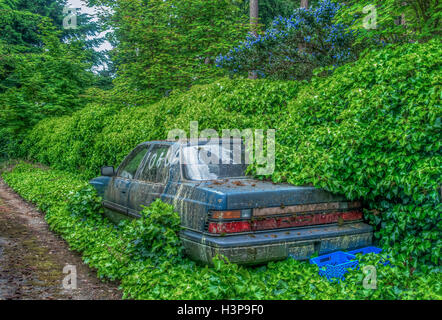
(84, 203)
(103, 135)
(65, 142)
(373, 131)
(161, 272)
(278, 53)
(156, 234)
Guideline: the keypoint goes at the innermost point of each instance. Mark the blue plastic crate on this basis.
(370, 249)
(335, 265)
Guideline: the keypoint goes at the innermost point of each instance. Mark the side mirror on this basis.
(107, 171)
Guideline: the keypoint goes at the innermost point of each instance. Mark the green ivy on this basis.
(371, 131)
(101, 135)
(145, 255)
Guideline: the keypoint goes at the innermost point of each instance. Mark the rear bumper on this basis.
(262, 247)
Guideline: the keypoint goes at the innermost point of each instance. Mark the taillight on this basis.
(225, 225)
(259, 219)
(235, 214)
(232, 214)
(229, 227)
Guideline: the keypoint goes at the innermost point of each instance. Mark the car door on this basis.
(151, 179)
(117, 193)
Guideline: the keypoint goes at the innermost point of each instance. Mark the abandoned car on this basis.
(224, 211)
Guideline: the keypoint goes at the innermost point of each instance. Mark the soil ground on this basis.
(32, 258)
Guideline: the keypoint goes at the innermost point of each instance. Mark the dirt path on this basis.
(32, 258)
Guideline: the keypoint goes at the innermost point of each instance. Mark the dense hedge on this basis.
(135, 253)
(103, 135)
(372, 130)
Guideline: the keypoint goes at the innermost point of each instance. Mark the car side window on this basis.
(156, 166)
(131, 164)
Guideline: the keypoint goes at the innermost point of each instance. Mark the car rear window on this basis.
(213, 161)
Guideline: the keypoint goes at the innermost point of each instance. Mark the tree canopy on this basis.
(44, 69)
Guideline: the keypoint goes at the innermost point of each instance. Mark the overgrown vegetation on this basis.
(145, 255)
(373, 131)
(369, 131)
(292, 47)
(160, 46)
(328, 34)
(103, 135)
(44, 69)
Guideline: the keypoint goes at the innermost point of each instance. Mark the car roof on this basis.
(200, 141)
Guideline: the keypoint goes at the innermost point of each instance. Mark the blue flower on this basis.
(278, 44)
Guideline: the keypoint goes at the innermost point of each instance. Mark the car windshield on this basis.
(214, 161)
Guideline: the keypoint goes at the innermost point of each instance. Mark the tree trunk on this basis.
(254, 19)
(304, 4)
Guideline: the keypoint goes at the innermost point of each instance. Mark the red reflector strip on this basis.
(229, 227)
(304, 220)
(305, 208)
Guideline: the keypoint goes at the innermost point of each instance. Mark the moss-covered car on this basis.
(224, 211)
